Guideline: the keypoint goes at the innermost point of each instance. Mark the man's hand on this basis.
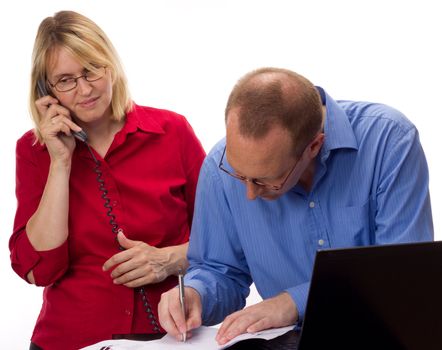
(275, 312)
(171, 316)
(142, 264)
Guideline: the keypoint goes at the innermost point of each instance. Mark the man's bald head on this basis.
(267, 97)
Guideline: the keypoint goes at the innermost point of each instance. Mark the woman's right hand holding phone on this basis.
(48, 227)
(56, 128)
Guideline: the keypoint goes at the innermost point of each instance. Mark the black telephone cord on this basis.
(115, 230)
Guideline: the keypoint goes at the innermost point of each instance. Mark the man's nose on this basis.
(253, 191)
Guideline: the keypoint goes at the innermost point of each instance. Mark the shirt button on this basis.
(311, 204)
(321, 242)
(114, 203)
(127, 312)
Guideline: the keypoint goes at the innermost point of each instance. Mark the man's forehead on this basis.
(276, 136)
(270, 151)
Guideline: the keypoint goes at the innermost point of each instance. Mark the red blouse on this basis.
(150, 172)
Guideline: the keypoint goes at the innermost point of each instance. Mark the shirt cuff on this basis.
(299, 295)
(201, 289)
(206, 288)
(23, 257)
(54, 263)
(47, 265)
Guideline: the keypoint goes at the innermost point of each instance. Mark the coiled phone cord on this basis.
(115, 230)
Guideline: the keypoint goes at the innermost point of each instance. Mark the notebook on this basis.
(376, 297)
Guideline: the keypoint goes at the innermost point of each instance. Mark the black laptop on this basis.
(377, 297)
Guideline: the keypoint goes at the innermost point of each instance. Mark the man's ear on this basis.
(316, 144)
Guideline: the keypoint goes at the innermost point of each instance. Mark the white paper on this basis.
(266, 334)
(202, 338)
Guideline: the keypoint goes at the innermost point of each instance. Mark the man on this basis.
(297, 172)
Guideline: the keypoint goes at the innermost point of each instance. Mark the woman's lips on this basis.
(90, 102)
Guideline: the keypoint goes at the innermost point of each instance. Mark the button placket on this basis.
(316, 214)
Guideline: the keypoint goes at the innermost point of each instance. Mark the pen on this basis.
(183, 307)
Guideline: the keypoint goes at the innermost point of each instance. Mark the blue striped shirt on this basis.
(370, 187)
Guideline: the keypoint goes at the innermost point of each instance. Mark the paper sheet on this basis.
(202, 338)
(266, 334)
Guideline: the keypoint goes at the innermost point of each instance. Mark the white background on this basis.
(186, 55)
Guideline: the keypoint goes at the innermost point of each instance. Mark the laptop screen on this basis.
(377, 297)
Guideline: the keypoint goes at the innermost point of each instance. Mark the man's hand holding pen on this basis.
(171, 315)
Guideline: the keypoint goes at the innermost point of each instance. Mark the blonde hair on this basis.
(89, 45)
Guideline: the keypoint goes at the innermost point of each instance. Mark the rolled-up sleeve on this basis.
(218, 268)
(31, 175)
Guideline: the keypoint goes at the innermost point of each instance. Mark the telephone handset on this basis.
(42, 91)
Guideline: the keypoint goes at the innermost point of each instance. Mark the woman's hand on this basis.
(56, 128)
(142, 264)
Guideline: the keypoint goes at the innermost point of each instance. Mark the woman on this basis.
(103, 218)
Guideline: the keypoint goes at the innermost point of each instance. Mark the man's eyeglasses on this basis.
(255, 181)
(66, 84)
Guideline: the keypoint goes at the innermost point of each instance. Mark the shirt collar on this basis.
(139, 118)
(337, 129)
